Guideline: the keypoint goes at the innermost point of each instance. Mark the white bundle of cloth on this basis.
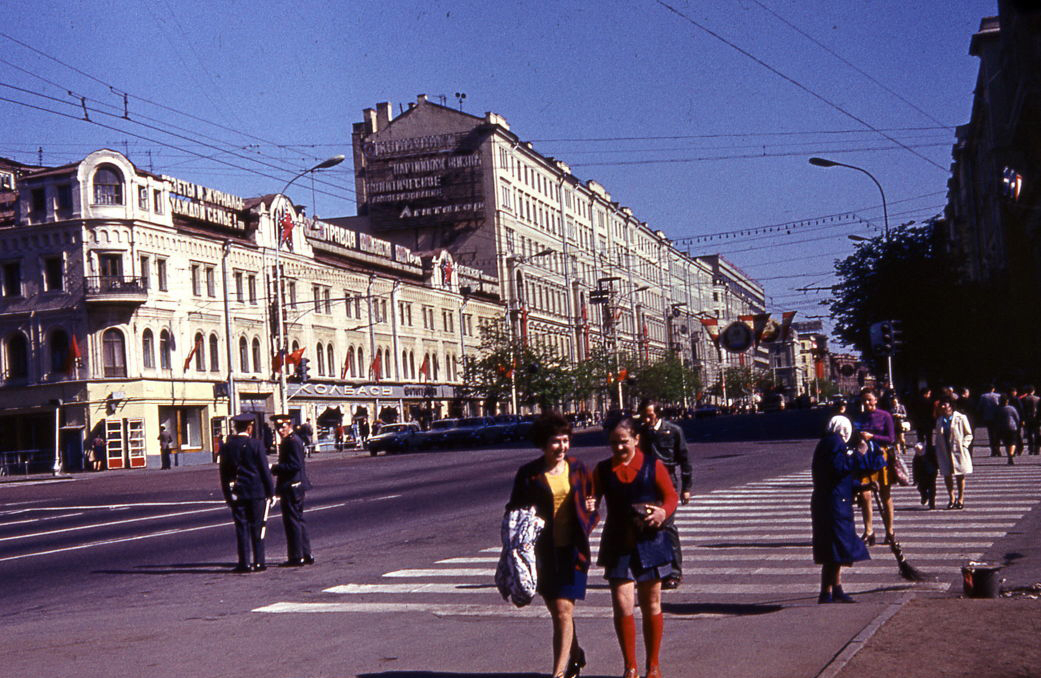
(515, 576)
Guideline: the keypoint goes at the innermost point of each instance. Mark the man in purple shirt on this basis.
(875, 426)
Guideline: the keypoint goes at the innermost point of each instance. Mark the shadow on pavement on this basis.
(175, 568)
(756, 545)
(734, 609)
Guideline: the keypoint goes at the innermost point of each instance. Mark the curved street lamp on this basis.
(282, 348)
(824, 162)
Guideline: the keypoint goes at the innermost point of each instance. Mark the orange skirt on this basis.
(882, 477)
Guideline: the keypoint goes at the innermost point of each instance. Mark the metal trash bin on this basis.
(981, 580)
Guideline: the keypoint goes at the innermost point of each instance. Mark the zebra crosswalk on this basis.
(749, 543)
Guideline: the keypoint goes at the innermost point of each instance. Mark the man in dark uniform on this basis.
(665, 440)
(292, 483)
(248, 488)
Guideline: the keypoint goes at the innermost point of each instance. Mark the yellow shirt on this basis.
(560, 486)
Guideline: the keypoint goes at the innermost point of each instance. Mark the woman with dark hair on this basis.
(634, 550)
(557, 485)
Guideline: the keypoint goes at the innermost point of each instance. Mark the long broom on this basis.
(907, 570)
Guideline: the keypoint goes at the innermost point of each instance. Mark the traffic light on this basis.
(304, 370)
(898, 334)
(885, 342)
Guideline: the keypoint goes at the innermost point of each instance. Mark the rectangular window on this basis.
(327, 300)
(13, 279)
(211, 282)
(160, 273)
(317, 292)
(53, 275)
(347, 303)
(251, 284)
(196, 280)
(146, 266)
(240, 290)
(292, 294)
(64, 200)
(142, 197)
(157, 201)
(38, 208)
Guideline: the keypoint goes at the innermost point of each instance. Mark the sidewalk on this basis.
(947, 634)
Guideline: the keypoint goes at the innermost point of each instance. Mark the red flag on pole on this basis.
(294, 357)
(346, 365)
(786, 324)
(286, 223)
(75, 358)
(424, 369)
(712, 327)
(191, 354)
(376, 368)
(277, 360)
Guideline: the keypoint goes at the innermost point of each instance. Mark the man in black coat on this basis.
(248, 488)
(665, 440)
(291, 486)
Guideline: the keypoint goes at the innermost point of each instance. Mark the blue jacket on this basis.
(243, 470)
(290, 467)
(836, 475)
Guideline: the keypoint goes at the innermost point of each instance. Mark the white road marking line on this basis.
(455, 610)
(111, 507)
(81, 528)
(37, 520)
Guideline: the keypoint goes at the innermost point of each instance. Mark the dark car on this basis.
(774, 402)
(394, 438)
(504, 427)
(436, 435)
(471, 431)
(705, 411)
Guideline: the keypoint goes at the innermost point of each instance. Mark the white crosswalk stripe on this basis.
(750, 541)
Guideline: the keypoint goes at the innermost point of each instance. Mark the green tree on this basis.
(667, 380)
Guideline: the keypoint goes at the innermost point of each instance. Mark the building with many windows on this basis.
(132, 301)
(576, 268)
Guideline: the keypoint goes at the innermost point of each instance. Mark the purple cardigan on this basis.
(879, 423)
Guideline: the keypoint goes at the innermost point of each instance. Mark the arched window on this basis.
(411, 365)
(165, 349)
(17, 356)
(214, 354)
(243, 355)
(148, 349)
(404, 364)
(108, 186)
(437, 368)
(351, 365)
(59, 346)
(114, 353)
(200, 352)
(321, 359)
(256, 355)
(331, 360)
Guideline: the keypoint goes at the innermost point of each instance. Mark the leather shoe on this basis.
(576, 663)
(293, 562)
(259, 567)
(308, 559)
(824, 598)
(670, 583)
(242, 569)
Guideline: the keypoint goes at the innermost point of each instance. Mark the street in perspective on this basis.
(456, 340)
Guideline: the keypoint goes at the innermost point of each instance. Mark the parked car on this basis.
(504, 427)
(706, 411)
(394, 438)
(523, 426)
(774, 402)
(435, 436)
(470, 432)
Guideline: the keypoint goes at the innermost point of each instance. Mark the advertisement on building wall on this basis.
(420, 181)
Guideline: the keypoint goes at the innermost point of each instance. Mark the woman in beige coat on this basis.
(952, 438)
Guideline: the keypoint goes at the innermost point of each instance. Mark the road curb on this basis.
(857, 643)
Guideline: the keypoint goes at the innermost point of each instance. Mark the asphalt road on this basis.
(128, 573)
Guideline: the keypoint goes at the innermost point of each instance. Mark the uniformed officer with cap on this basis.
(248, 488)
(291, 486)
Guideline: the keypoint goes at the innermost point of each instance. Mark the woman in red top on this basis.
(634, 551)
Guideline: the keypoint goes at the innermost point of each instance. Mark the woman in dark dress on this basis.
(635, 552)
(557, 485)
(836, 479)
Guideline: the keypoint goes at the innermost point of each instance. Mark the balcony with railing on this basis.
(115, 289)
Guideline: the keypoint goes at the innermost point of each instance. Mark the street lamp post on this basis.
(282, 348)
(824, 162)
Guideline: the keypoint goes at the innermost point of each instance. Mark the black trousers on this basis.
(298, 543)
(670, 529)
(248, 515)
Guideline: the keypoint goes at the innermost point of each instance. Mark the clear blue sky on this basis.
(694, 135)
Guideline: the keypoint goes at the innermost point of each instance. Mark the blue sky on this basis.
(696, 135)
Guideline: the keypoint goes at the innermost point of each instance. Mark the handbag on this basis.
(641, 510)
(900, 469)
(905, 426)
